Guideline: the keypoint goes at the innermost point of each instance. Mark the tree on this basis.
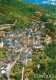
(40, 70)
(44, 18)
(17, 76)
(51, 68)
(1, 78)
(50, 50)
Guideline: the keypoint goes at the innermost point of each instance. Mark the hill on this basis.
(50, 7)
(24, 12)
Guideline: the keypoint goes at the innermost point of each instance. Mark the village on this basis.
(20, 43)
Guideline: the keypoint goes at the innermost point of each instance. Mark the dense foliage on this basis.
(49, 7)
(17, 76)
(44, 18)
(41, 70)
(22, 11)
(1, 78)
(50, 29)
(50, 50)
(3, 52)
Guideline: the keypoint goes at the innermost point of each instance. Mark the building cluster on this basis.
(7, 63)
(25, 56)
(24, 37)
(22, 40)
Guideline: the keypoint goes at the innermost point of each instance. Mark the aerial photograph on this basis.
(27, 39)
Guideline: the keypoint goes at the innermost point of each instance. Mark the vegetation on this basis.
(17, 76)
(47, 60)
(50, 50)
(3, 53)
(47, 65)
(50, 29)
(41, 70)
(1, 78)
(16, 72)
(22, 11)
(50, 7)
(44, 18)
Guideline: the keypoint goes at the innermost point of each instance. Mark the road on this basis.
(7, 25)
(26, 65)
(12, 65)
(22, 73)
(8, 71)
(1, 28)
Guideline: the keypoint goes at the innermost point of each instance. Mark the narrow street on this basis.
(8, 72)
(22, 73)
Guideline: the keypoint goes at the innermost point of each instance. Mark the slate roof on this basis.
(8, 61)
(23, 58)
(29, 45)
(23, 54)
(1, 59)
(13, 55)
(29, 56)
(4, 66)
